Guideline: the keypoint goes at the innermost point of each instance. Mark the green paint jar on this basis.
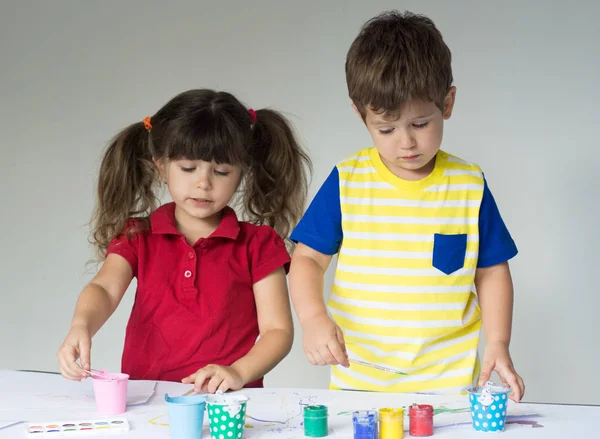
(315, 421)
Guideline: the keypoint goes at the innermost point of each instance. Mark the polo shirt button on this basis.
(188, 274)
(191, 255)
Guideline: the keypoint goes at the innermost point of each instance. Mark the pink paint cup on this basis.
(110, 390)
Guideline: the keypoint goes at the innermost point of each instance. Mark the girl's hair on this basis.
(202, 125)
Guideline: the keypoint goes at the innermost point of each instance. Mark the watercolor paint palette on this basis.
(78, 428)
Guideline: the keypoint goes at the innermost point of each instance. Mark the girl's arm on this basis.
(495, 292)
(275, 326)
(276, 337)
(96, 303)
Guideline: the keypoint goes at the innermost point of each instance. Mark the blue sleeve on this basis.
(321, 226)
(495, 243)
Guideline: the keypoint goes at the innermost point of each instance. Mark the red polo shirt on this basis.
(194, 305)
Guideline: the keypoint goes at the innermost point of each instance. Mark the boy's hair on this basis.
(202, 125)
(397, 57)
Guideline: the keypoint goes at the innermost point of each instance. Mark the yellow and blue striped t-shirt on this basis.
(407, 255)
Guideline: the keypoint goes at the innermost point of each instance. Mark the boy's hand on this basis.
(497, 357)
(77, 345)
(323, 342)
(214, 377)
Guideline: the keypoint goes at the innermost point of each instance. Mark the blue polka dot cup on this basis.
(488, 407)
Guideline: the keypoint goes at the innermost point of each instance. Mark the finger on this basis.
(486, 371)
(64, 368)
(224, 386)
(337, 351)
(69, 364)
(311, 358)
(510, 377)
(214, 383)
(521, 385)
(339, 335)
(328, 356)
(85, 348)
(201, 376)
(319, 358)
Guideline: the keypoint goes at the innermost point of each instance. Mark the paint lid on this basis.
(489, 387)
(315, 411)
(185, 400)
(420, 411)
(391, 414)
(364, 417)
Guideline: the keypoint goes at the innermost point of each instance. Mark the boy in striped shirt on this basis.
(414, 228)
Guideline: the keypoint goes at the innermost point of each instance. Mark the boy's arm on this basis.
(306, 282)
(323, 341)
(495, 292)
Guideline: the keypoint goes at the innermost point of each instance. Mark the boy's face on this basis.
(408, 145)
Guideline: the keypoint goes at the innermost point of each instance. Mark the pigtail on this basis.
(125, 186)
(276, 183)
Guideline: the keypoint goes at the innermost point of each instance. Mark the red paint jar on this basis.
(421, 420)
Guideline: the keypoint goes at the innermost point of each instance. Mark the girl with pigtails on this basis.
(211, 305)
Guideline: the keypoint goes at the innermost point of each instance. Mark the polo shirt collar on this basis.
(162, 221)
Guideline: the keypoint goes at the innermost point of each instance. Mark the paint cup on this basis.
(391, 423)
(110, 391)
(365, 424)
(420, 420)
(315, 421)
(186, 415)
(488, 407)
(227, 416)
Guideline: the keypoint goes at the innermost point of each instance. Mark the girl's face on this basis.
(200, 189)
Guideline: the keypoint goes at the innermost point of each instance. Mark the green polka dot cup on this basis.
(226, 416)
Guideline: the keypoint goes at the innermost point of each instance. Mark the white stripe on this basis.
(457, 160)
(412, 272)
(410, 203)
(388, 339)
(409, 356)
(402, 289)
(454, 187)
(450, 306)
(462, 172)
(366, 184)
(413, 378)
(358, 158)
(432, 348)
(395, 323)
(352, 169)
(408, 219)
(424, 237)
(393, 254)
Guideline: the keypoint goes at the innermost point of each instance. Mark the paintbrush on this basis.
(376, 366)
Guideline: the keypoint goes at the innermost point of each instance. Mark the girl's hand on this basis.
(77, 345)
(497, 357)
(214, 377)
(323, 342)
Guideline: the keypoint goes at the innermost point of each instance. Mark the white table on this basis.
(276, 413)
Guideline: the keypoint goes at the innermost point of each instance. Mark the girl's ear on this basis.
(160, 165)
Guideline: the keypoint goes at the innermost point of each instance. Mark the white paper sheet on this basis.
(28, 396)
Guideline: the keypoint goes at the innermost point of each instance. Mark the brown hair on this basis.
(397, 57)
(203, 125)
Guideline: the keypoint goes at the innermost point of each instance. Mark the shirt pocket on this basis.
(449, 252)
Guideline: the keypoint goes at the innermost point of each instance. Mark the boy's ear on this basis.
(449, 102)
(358, 112)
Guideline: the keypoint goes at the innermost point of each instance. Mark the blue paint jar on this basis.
(365, 424)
